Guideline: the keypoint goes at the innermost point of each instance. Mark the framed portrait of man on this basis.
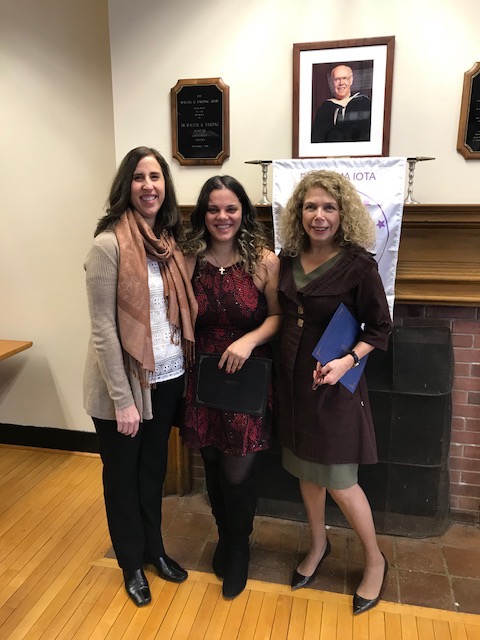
(342, 93)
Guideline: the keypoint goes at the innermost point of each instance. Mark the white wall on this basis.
(250, 43)
(56, 161)
(57, 140)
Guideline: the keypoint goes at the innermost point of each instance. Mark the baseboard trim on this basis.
(48, 438)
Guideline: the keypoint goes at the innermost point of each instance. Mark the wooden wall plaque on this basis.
(200, 121)
(468, 142)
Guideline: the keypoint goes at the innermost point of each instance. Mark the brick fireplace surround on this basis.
(438, 285)
(464, 459)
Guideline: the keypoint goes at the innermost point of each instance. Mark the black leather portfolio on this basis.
(244, 391)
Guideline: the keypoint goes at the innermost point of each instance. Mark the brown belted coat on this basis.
(329, 425)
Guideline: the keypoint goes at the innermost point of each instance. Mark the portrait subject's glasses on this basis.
(344, 79)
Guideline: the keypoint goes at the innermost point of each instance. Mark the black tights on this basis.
(233, 469)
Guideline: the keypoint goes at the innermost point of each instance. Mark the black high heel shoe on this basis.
(299, 581)
(168, 569)
(362, 604)
(136, 586)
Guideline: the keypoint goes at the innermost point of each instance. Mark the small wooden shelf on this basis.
(11, 347)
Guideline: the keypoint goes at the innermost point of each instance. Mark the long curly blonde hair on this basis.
(356, 225)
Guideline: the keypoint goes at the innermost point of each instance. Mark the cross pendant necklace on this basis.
(222, 268)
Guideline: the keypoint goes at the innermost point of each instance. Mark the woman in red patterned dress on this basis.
(235, 278)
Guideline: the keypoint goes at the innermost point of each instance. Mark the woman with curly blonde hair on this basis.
(235, 278)
(326, 431)
(357, 227)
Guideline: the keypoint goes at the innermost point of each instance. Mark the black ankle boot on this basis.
(236, 569)
(136, 586)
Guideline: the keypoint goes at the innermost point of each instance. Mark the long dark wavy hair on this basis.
(118, 201)
(251, 239)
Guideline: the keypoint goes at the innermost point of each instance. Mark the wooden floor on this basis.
(56, 583)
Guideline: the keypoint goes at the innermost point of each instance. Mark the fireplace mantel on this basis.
(439, 255)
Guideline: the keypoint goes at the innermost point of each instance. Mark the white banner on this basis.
(380, 183)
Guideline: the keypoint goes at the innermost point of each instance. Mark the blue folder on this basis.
(340, 336)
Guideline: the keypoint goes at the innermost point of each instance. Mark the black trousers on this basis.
(133, 474)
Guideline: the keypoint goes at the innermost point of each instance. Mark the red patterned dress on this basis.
(229, 306)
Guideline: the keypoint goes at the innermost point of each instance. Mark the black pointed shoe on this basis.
(168, 569)
(362, 604)
(299, 581)
(136, 586)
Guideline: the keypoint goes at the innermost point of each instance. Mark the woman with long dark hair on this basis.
(235, 279)
(142, 312)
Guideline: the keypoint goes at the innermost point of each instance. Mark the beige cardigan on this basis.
(107, 386)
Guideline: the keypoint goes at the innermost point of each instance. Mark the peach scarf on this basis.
(136, 241)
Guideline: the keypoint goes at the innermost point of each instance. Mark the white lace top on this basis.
(169, 362)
